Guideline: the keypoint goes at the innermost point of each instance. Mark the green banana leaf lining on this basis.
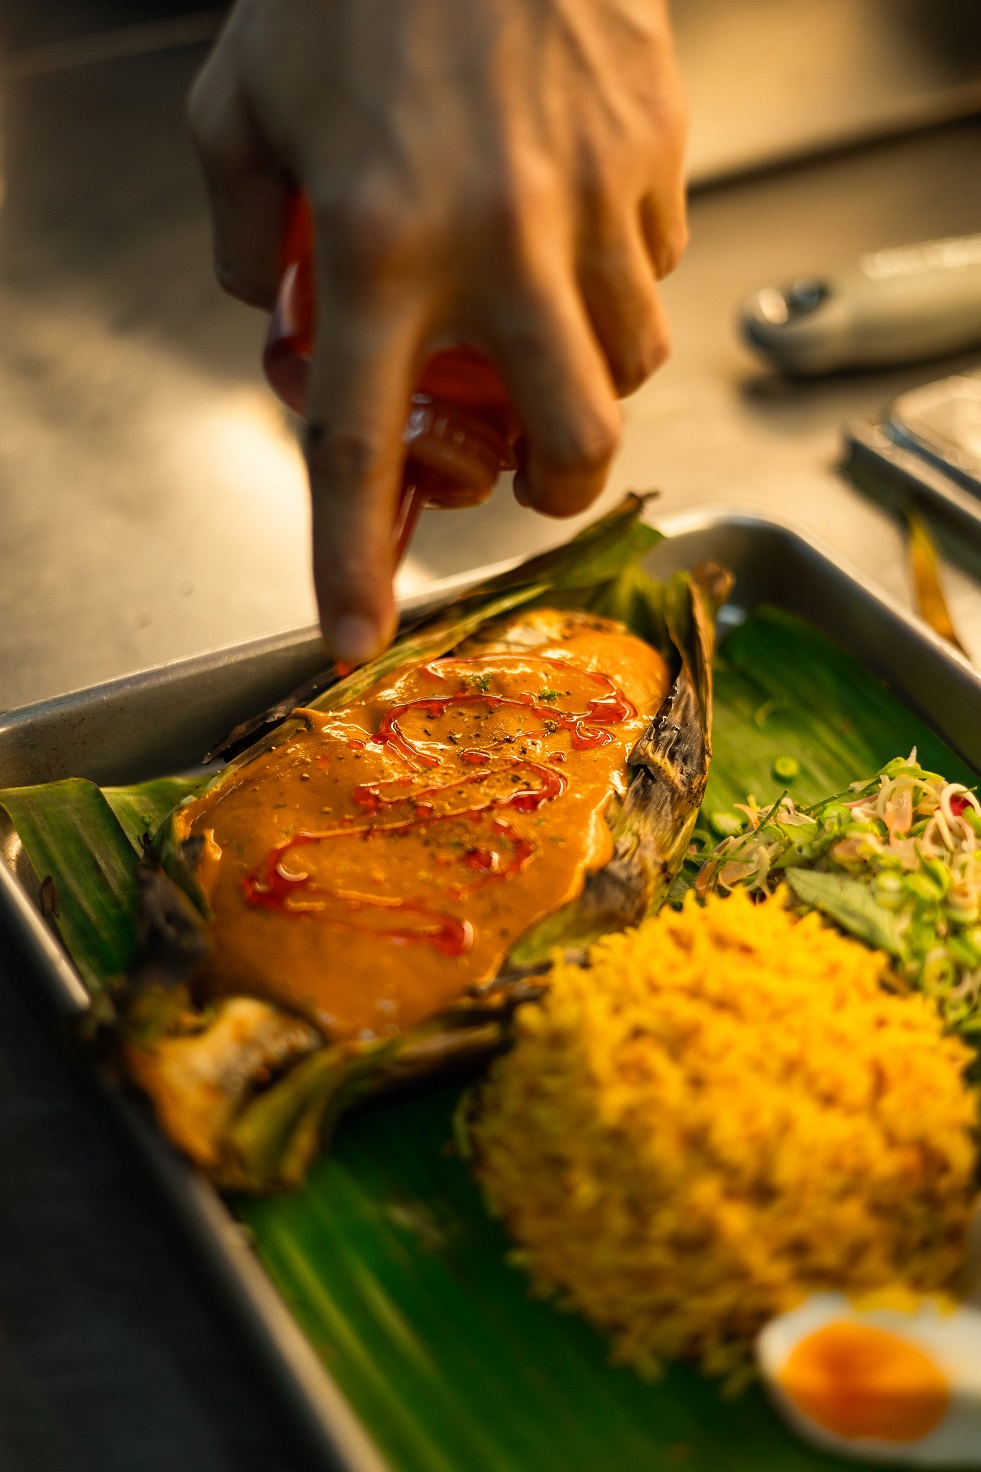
(386, 1256)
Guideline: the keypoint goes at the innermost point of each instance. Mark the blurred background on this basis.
(772, 79)
(152, 492)
(153, 505)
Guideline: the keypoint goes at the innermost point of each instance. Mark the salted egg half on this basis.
(888, 1384)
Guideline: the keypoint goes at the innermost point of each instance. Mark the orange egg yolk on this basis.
(858, 1381)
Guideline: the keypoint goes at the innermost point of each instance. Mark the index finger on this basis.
(359, 395)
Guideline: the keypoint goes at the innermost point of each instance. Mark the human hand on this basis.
(500, 172)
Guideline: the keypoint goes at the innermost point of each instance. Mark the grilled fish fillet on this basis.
(381, 863)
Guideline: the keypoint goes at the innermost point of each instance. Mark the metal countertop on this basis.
(152, 491)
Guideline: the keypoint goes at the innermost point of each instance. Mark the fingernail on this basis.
(353, 639)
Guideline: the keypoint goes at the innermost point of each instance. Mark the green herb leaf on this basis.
(850, 903)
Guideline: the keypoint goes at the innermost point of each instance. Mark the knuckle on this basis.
(516, 205)
(353, 579)
(665, 231)
(604, 176)
(586, 445)
(198, 114)
(245, 284)
(631, 370)
(672, 246)
(669, 118)
(665, 110)
(228, 278)
(339, 457)
(676, 121)
(206, 116)
(652, 352)
(640, 367)
(369, 232)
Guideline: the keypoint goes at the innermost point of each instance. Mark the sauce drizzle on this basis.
(491, 785)
(585, 728)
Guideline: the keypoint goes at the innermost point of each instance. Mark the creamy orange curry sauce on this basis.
(374, 867)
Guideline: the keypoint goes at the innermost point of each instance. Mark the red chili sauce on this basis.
(374, 867)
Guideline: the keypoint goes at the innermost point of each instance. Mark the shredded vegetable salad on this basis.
(895, 861)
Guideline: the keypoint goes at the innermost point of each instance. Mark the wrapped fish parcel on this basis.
(363, 895)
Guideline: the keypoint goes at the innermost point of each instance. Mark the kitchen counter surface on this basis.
(153, 494)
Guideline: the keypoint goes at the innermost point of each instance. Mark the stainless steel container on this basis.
(162, 720)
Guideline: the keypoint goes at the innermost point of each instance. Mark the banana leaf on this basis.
(86, 869)
(386, 1256)
(653, 824)
(783, 689)
(141, 810)
(81, 841)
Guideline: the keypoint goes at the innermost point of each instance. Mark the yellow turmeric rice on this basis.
(722, 1111)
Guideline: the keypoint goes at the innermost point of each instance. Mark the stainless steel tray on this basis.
(162, 720)
(897, 478)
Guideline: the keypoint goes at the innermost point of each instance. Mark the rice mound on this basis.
(720, 1112)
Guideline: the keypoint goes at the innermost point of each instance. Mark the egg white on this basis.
(952, 1340)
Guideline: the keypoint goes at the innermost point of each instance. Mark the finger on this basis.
(664, 225)
(545, 349)
(247, 188)
(362, 377)
(621, 297)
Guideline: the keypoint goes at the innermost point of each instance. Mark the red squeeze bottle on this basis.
(461, 431)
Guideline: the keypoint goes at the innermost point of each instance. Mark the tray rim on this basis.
(893, 472)
(705, 517)
(319, 1409)
(236, 651)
